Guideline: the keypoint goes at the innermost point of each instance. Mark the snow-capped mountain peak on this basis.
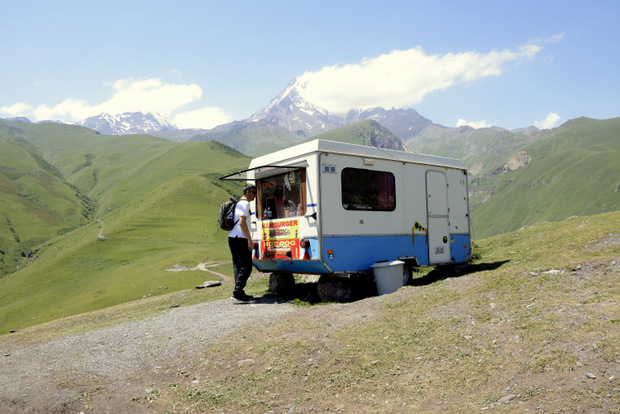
(128, 123)
(291, 111)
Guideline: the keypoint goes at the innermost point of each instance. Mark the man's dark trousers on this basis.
(242, 262)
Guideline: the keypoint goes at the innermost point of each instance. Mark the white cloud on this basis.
(16, 109)
(556, 37)
(130, 95)
(201, 118)
(551, 39)
(149, 95)
(474, 124)
(69, 110)
(549, 122)
(402, 77)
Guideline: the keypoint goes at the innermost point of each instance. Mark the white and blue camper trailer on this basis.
(331, 208)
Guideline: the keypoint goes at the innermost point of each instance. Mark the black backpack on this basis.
(227, 214)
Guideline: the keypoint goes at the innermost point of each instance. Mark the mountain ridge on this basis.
(288, 110)
(128, 123)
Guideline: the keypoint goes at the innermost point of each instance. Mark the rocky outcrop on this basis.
(519, 160)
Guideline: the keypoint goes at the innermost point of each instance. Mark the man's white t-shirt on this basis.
(242, 209)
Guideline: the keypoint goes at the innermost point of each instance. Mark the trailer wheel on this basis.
(407, 274)
(282, 284)
(334, 289)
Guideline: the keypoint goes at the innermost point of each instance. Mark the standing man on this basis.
(241, 244)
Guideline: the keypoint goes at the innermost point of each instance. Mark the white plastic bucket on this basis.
(388, 276)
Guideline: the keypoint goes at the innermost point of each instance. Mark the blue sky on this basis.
(203, 63)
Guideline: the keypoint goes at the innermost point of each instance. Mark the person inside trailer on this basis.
(284, 206)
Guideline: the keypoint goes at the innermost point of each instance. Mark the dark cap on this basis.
(248, 187)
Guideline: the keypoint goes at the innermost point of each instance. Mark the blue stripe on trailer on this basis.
(358, 253)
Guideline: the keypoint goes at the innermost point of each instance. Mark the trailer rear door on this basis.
(437, 213)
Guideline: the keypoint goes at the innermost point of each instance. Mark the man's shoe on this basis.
(242, 297)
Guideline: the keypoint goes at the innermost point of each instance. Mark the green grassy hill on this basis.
(35, 204)
(369, 133)
(152, 204)
(574, 170)
(174, 224)
(253, 139)
(262, 137)
(480, 149)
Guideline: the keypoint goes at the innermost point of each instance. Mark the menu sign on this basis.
(280, 239)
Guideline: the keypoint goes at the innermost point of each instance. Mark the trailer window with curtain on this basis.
(368, 190)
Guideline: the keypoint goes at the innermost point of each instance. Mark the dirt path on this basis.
(204, 266)
(100, 234)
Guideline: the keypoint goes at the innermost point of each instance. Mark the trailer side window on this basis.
(368, 190)
(282, 195)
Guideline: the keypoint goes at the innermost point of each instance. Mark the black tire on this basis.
(407, 274)
(334, 289)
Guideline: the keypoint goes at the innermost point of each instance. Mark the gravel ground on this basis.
(110, 364)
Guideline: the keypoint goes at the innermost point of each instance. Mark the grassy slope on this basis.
(34, 204)
(573, 171)
(537, 314)
(353, 134)
(260, 138)
(534, 316)
(482, 150)
(254, 139)
(361, 133)
(158, 204)
(79, 272)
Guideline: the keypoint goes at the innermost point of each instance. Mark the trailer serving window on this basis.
(368, 190)
(281, 195)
